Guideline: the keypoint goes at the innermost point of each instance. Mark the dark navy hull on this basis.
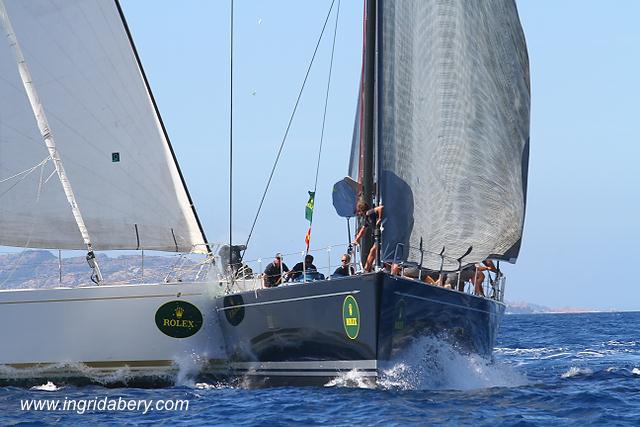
(310, 333)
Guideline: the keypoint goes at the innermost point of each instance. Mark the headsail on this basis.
(108, 134)
(453, 101)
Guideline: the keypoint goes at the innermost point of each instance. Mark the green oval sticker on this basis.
(234, 309)
(178, 319)
(351, 317)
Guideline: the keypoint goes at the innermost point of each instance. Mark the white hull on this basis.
(105, 333)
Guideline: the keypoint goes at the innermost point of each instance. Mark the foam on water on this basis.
(594, 353)
(618, 343)
(603, 350)
(575, 372)
(534, 353)
(430, 363)
(352, 379)
(189, 367)
(207, 386)
(49, 386)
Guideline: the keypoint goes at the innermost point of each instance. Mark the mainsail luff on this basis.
(108, 134)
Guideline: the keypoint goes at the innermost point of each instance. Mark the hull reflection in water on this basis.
(311, 333)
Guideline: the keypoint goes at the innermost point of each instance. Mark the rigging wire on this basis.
(326, 103)
(24, 174)
(26, 171)
(286, 133)
(326, 99)
(231, 138)
(27, 243)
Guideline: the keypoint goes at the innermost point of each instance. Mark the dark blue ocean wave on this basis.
(549, 370)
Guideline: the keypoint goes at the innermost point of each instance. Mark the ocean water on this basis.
(560, 369)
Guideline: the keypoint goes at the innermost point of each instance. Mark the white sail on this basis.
(108, 134)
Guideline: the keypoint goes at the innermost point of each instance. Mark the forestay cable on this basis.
(286, 133)
(324, 114)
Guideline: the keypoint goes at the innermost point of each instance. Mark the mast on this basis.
(47, 136)
(368, 105)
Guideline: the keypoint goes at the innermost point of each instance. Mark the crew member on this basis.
(478, 279)
(372, 218)
(298, 269)
(273, 274)
(345, 269)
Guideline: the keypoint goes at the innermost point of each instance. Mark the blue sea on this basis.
(549, 369)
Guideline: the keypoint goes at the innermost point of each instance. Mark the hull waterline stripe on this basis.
(328, 374)
(444, 303)
(251, 304)
(328, 364)
(106, 364)
(284, 371)
(172, 295)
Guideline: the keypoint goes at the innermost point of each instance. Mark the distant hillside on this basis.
(39, 269)
(520, 307)
(527, 308)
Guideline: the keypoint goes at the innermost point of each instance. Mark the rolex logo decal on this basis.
(179, 312)
(178, 319)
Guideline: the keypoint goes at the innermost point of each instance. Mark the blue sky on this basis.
(581, 230)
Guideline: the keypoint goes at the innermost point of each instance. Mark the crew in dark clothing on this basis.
(466, 276)
(299, 268)
(274, 272)
(371, 218)
(345, 269)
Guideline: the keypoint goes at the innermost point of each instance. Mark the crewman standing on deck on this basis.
(372, 218)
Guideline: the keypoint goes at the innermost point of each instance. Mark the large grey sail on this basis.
(453, 128)
(107, 131)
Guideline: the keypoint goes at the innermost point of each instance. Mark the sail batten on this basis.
(453, 129)
(108, 131)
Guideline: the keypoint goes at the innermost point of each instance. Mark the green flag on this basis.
(308, 211)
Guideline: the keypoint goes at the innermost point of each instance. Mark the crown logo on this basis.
(179, 312)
